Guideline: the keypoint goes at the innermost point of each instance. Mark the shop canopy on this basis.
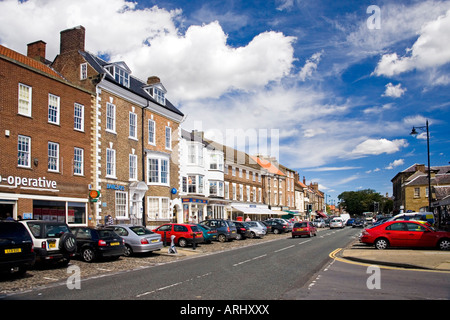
(254, 210)
(321, 214)
(290, 214)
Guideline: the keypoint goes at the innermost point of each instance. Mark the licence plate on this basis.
(17, 250)
(156, 240)
(114, 243)
(52, 245)
(233, 231)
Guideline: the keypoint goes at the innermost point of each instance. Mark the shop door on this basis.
(6, 210)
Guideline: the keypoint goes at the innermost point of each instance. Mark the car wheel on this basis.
(222, 238)
(182, 242)
(276, 231)
(239, 236)
(444, 244)
(88, 255)
(128, 251)
(253, 235)
(381, 244)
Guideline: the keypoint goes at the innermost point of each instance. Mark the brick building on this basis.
(45, 140)
(136, 136)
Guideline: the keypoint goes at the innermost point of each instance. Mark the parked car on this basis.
(138, 239)
(350, 222)
(97, 243)
(288, 224)
(419, 216)
(304, 228)
(319, 223)
(52, 240)
(242, 230)
(359, 223)
(277, 227)
(336, 223)
(185, 234)
(381, 221)
(208, 233)
(226, 229)
(16, 248)
(257, 229)
(268, 226)
(405, 234)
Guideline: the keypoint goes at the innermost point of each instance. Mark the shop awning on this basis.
(254, 210)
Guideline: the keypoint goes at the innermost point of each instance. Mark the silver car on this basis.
(257, 229)
(137, 238)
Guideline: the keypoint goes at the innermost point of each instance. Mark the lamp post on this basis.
(413, 133)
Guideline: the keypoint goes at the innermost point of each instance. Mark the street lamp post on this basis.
(414, 132)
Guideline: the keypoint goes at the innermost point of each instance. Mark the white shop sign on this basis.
(27, 183)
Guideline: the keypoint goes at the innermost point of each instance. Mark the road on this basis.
(264, 272)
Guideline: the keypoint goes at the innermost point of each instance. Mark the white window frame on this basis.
(168, 138)
(83, 71)
(78, 161)
(152, 134)
(78, 114)
(161, 161)
(132, 125)
(110, 117)
(22, 153)
(111, 161)
(53, 108)
(158, 208)
(24, 100)
(53, 154)
(159, 96)
(132, 167)
(121, 205)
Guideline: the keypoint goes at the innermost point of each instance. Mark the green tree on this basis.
(357, 202)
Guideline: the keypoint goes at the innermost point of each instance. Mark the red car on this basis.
(184, 233)
(405, 234)
(304, 228)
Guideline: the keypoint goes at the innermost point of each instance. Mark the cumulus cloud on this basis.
(378, 146)
(193, 64)
(394, 91)
(396, 163)
(432, 49)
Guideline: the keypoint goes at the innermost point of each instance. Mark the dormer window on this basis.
(156, 90)
(120, 72)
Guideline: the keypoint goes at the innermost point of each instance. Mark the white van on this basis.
(419, 216)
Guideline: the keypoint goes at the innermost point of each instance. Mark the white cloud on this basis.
(310, 66)
(377, 110)
(394, 91)
(432, 49)
(378, 146)
(194, 64)
(396, 163)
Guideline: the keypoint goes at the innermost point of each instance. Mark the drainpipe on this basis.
(144, 214)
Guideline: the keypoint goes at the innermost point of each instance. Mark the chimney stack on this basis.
(36, 50)
(72, 40)
(153, 80)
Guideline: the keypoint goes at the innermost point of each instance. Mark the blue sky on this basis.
(336, 96)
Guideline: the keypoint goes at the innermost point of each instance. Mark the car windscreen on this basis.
(195, 229)
(13, 231)
(105, 234)
(141, 231)
(300, 225)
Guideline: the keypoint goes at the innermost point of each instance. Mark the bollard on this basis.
(193, 243)
(172, 248)
(165, 239)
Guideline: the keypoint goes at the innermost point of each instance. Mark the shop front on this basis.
(194, 209)
(42, 199)
(253, 212)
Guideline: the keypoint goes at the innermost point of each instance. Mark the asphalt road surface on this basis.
(267, 271)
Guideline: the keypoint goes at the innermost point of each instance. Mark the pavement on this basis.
(426, 259)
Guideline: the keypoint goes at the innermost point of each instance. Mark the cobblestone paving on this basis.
(42, 276)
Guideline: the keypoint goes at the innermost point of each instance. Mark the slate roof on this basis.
(136, 85)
